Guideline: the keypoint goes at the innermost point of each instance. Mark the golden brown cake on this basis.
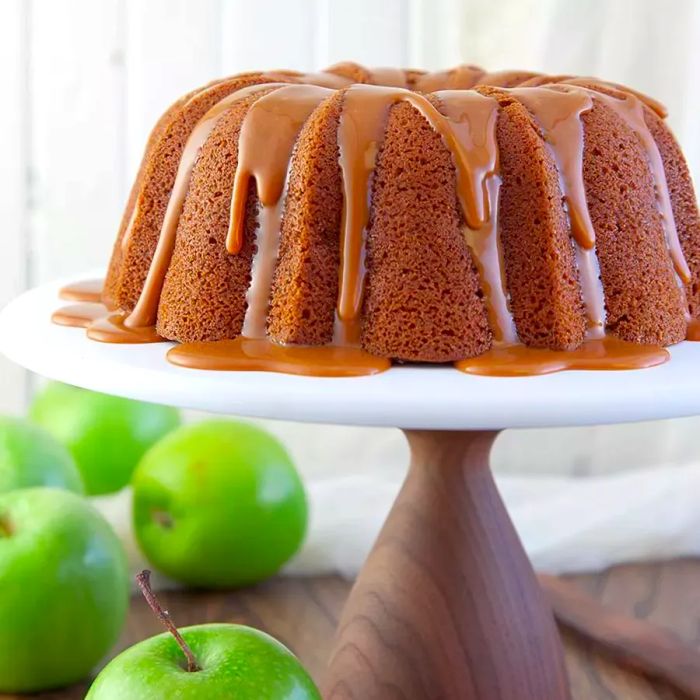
(422, 217)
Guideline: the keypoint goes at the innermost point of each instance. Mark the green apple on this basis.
(64, 589)
(234, 662)
(106, 435)
(218, 504)
(206, 662)
(30, 456)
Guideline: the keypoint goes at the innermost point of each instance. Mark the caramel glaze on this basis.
(89, 290)
(114, 329)
(79, 315)
(608, 353)
(473, 118)
(466, 121)
(262, 271)
(263, 356)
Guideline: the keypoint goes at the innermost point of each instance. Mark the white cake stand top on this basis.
(406, 397)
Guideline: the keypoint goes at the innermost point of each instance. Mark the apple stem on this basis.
(144, 581)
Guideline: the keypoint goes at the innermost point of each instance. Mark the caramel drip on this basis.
(485, 244)
(459, 78)
(79, 315)
(559, 115)
(693, 332)
(631, 111)
(87, 290)
(146, 310)
(360, 135)
(608, 353)
(129, 230)
(113, 329)
(262, 271)
(388, 77)
(261, 355)
(268, 134)
(473, 119)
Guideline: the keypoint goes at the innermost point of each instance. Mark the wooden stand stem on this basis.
(447, 606)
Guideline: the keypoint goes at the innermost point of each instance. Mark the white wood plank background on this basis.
(171, 46)
(84, 80)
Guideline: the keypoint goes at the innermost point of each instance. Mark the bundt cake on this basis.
(331, 223)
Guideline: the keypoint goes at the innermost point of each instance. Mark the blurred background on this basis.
(84, 81)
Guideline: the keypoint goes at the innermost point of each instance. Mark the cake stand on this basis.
(447, 605)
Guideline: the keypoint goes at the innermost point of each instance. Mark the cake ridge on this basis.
(629, 105)
(643, 298)
(473, 118)
(564, 135)
(538, 249)
(367, 107)
(683, 204)
(145, 311)
(281, 114)
(129, 265)
(630, 109)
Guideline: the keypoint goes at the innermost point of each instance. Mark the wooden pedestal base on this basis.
(447, 606)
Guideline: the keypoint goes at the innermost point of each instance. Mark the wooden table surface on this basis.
(303, 613)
